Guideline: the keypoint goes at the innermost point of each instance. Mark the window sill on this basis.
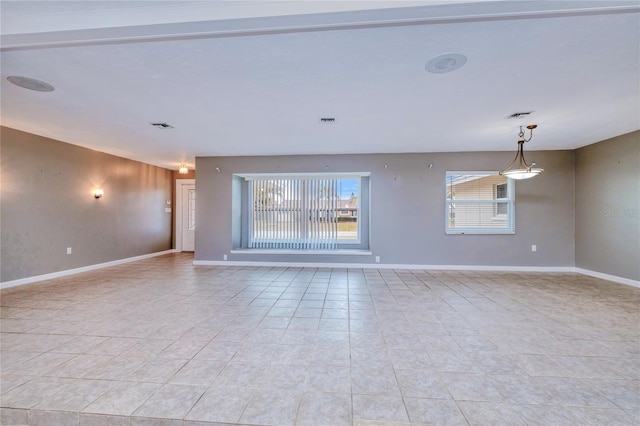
(341, 252)
(480, 233)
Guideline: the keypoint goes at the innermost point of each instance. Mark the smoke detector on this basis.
(30, 83)
(446, 63)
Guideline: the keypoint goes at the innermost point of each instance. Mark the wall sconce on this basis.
(183, 169)
(98, 193)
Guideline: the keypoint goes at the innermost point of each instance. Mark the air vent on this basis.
(520, 114)
(327, 120)
(162, 126)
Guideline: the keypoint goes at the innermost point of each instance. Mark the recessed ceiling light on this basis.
(446, 63)
(30, 83)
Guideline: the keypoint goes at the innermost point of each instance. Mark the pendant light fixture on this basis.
(523, 170)
(183, 169)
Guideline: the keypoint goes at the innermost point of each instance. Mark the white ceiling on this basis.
(254, 78)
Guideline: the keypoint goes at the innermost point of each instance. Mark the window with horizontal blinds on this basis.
(479, 203)
(302, 212)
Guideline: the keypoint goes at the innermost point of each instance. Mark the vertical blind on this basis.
(479, 203)
(293, 213)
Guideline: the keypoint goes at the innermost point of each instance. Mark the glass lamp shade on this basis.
(522, 173)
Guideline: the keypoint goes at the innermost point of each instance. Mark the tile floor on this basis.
(161, 342)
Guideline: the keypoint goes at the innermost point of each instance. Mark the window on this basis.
(501, 194)
(306, 212)
(479, 203)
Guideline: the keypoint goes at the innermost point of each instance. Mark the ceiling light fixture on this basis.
(30, 83)
(446, 63)
(524, 170)
(183, 169)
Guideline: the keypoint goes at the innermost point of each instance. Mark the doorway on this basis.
(185, 225)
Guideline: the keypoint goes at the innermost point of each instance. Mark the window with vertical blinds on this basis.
(303, 212)
(479, 203)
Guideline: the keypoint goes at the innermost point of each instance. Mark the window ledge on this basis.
(341, 252)
(492, 232)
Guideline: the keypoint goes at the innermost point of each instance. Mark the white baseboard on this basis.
(608, 277)
(621, 280)
(386, 266)
(58, 274)
(569, 269)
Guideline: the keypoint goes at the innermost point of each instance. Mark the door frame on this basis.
(180, 183)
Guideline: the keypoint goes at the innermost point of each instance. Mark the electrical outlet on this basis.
(224, 257)
(534, 247)
(377, 259)
(69, 250)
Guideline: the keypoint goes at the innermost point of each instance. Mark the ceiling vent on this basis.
(327, 120)
(162, 126)
(520, 114)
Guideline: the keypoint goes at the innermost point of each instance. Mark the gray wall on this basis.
(408, 208)
(607, 207)
(47, 206)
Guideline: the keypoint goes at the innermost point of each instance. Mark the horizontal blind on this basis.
(479, 203)
(293, 213)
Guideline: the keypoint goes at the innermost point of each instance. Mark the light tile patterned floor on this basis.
(161, 342)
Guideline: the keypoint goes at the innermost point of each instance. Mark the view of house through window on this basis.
(479, 203)
(303, 212)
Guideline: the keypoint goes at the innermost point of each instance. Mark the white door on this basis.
(188, 217)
